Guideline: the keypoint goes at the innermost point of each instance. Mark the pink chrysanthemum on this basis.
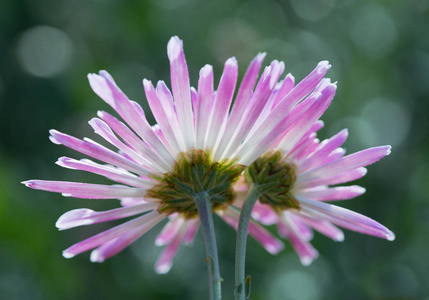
(198, 130)
(304, 170)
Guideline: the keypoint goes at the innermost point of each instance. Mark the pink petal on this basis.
(181, 89)
(191, 231)
(304, 123)
(305, 250)
(165, 260)
(169, 231)
(268, 94)
(303, 149)
(331, 157)
(301, 228)
(110, 172)
(301, 90)
(102, 129)
(307, 253)
(331, 180)
(323, 226)
(347, 163)
(83, 216)
(253, 110)
(85, 190)
(324, 193)
(287, 85)
(135, 201)
(130, 111)
(264, 214)
(265, 238)
(97, 151)
(312, 131)
(326, 147)
(204, 104)
(169, 107)
(313, 107)
(160, 115)
(304, 87)
(345, 218)
(221, 103)
(133, 141)
(243, 97)
(140, 224)
(116, 245)
(262, 236)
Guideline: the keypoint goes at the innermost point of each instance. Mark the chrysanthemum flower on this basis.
(296, 177)
(200, 144)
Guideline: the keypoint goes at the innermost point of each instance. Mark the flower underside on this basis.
(194, 173)
(275, 179)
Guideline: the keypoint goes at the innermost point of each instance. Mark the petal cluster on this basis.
(318, 166)
(187, 118)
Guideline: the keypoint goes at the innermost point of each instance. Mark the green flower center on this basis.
(274, 178)
(195, 172)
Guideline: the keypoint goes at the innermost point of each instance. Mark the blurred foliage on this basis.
(380, 56)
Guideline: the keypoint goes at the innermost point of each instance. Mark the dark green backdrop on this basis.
(380, 56)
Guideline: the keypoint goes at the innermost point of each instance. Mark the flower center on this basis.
(275, 179)
(195, 172)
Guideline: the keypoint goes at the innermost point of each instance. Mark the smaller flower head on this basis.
(295, 179)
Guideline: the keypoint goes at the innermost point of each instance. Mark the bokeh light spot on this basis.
(233, 36)
(295, 285)
(394, 281)
(170, 4)
(44, 51)
(389, 123)
(312, 10)
(374, 32)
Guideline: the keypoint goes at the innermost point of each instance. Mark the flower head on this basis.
(200, 144)
(295, 179)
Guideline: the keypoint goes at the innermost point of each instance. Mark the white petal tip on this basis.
(96, 257)
(232, 61)
(206, 70)
(27, 183)
(159, 242)
(174, 47)
(261, 56)
(339, 237)
(390, 236)
(388, 149)
(307, 260)
(67, 254)
(361, 190)
(323, 66)
(54, 136)
(274, 249)
(147, 83)
(163, 268)
(105, 74)
(63, 224)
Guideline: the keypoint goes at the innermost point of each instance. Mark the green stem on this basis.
(204, 207)
(240, 250)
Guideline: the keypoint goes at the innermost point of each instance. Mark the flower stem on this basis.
(240, 250)
(204, 207)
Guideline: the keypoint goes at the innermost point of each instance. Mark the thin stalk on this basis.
(204, 207)
(240, 250)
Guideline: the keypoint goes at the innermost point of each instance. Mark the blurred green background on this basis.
(380, 56)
